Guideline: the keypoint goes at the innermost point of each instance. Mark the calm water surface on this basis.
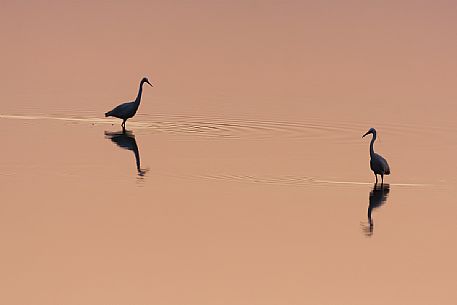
(243, 179)
(195, 210)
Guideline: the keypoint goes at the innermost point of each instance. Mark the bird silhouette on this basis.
(126, 140)
(127, 110)
(377, 198)
(377, 163)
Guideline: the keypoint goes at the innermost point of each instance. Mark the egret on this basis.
(377, 163)
(127, 110)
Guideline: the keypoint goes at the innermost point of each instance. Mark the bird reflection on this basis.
(378, 197)
(126, 139)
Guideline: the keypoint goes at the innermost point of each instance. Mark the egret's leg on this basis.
(376, 179)
(382, 179)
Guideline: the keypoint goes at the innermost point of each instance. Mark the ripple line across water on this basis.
(227, 128)
(295, 180)
(213, 127)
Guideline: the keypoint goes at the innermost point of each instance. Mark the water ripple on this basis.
(294, 180)
(228, 128)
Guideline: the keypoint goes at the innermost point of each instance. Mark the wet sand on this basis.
(221, 212)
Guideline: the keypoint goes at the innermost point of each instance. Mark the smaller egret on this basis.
(127, 110)
(377, 163)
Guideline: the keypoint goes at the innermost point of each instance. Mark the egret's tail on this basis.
(107, 114)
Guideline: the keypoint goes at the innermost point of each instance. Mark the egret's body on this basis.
(378, 164)
(127, 110)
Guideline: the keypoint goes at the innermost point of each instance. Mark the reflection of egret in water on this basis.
(126, 140)
(378, 197)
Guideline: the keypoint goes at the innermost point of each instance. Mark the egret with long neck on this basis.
(378, 164)
(127, 110)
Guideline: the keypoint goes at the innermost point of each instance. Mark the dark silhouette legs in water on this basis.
(382, 179)
(123, 125)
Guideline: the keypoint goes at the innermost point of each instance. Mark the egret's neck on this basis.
(371, 145)
(140, 91)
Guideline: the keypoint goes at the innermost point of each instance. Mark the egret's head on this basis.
(372, 131)
(145, 80)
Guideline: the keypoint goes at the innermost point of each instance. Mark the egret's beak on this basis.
(149, 83)
(365, 134)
